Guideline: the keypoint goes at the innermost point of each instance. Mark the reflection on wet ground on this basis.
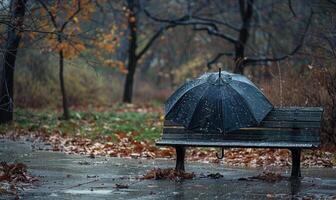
(79, 177)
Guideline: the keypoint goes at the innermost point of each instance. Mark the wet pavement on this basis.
(80, 177)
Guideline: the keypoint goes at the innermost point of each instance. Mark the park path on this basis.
(65, 176)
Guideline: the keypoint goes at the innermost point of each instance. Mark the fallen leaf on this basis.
(121, 186)
(215, 176)
(269, 177)
(169, 173)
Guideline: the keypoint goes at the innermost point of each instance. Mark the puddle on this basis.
(52, 169)
(53, 195)
(102, 192)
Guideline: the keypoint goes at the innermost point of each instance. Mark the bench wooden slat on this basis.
(244, 144)
(292, 116)
(289, 124)
(268, 122)
(246, 137)
(281, 126)
(266, 133)
(273, 124)
(299, 109)
(287, 116)
(269, 131)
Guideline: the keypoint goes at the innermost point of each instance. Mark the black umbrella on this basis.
(217, 102)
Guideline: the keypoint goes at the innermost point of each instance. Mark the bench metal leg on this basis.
(296, 155)
(180, 154)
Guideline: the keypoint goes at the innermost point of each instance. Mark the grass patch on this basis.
(93, 125)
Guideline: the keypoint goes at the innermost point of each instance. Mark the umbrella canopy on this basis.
(217, 102)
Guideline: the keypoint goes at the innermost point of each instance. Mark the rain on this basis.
(135, 99)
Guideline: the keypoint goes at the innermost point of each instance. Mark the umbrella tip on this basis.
(219, 71)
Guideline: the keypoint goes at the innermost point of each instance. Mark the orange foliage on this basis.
(68, 14)
(107, 44)
(72, 15)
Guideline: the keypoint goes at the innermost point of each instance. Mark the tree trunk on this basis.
(239, 58)
(246, 15)
(132, 57)
(66, 115)
(9, 57)
(129, 81)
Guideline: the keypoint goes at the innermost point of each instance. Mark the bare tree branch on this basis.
(153, 38)
(217, 34)
(184, 20)
(52, 17)
(214, 21)
(72, 16)
(217, 57)
(274, 59)
(291, 7)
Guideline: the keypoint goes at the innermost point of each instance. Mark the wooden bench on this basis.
(293, 128)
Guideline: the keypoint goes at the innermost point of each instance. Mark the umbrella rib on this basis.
(223, 95)
(198, 103)
(180, 99)
(185, 92)
(246, 103)
(231, 129)
(223, 106)
(254, 87)
(258, 90)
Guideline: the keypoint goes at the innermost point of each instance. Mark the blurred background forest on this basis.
(83, 54)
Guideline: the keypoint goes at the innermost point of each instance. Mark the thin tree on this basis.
(59, 31)
(134, 53)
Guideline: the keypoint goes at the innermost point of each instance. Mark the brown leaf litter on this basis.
(14, 177)
(269, 177)
(169, 173)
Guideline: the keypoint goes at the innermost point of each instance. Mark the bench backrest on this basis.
(294, 124)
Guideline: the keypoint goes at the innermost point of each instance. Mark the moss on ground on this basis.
(90, 124)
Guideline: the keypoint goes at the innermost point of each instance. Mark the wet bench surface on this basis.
(294, 128)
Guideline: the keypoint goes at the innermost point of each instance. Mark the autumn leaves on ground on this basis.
(130, 131)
